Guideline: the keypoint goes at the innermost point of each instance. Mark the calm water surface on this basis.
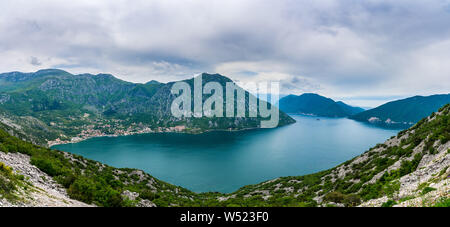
(226, 161)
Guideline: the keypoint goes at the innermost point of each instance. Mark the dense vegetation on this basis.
(316, 105)
(90, 181)
(355, 185)
(348, 184)
(444, 202)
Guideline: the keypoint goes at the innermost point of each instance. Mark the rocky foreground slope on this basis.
(410, 169)
(35, 188)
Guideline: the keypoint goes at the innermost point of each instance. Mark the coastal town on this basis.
(113, 129)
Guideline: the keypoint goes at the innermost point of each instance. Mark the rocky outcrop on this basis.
(134, 198)
(425, 186)
(41, 190)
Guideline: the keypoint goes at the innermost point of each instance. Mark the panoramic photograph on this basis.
(225, 104)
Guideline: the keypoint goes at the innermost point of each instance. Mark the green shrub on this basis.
(8, 182)
(82, 189)
(443, 202)
(388, 203)
(427, 189)
(352, 200)
(335, 197)
(5, 169)
(149, 195)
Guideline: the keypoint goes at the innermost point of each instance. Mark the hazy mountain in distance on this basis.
(314, 104)
(404, 112)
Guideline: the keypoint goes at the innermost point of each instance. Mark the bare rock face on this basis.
(44, 192)
(130, 195)
(433, 173)
(133, 196)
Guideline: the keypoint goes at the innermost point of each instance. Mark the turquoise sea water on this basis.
(226, 161)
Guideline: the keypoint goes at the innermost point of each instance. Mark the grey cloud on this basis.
(341, 48)
(35, 61)
(298, 86)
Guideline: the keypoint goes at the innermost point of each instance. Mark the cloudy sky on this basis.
(362, 52)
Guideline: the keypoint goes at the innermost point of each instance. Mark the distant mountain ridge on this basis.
(64, 105)
(314, 104)
(403, 113)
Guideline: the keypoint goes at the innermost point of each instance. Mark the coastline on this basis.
(74, 140)
(89, 132)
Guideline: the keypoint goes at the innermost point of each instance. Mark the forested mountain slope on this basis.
(410, 169)
(55, 105)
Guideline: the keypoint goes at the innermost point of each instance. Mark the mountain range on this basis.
(403, 113)
(314, 104)
(63, 106)
(399, 114)
(410, 169)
